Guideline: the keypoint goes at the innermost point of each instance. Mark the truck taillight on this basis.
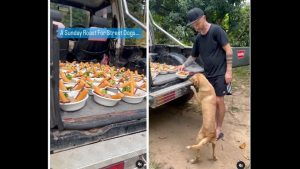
(166, 98)
(119, 165)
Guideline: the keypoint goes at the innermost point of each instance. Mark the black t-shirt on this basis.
(210, 49)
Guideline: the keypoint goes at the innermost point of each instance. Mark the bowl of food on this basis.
(182, 74)
(172, 69)
(112, 86)
(106, 98)
(66, 86)
(73, 100)
(137, 97)
(163, 72)
(89, 86)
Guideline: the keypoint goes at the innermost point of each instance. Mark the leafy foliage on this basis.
(232, 15)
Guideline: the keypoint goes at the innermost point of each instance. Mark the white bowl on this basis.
(111, 89)
(73, 106)
(72, 85)
(172, 71)
(69, 85)
(72, 93)
(105, 101)
(181, 76)
(163, 72)
(135, 99)
(90, 89)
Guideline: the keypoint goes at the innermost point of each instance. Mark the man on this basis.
(215, 51)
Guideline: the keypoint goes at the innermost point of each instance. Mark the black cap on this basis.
(193, 15)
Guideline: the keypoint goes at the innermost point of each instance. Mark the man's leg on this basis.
(220, 113)
(219, 85)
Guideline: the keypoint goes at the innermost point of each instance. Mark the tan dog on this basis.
(205, 97)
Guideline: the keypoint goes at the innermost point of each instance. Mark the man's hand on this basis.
(181, 67)
(228, 77)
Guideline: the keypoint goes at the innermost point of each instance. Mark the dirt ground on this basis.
(172, 128)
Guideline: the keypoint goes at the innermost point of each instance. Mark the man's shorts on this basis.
(220, 85)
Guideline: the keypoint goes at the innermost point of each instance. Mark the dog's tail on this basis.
(195, 92)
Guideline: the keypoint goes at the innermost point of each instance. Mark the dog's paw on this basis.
(188, 147)
(213, 159)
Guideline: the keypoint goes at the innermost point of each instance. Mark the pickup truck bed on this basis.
(95, 123)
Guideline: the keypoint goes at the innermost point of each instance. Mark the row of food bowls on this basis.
(102, 100)
(105, 101)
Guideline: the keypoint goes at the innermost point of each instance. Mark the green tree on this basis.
(231, 15)
(239, 31)
(79, 16)
(136, 8)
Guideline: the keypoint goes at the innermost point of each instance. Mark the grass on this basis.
(154, 165)
(235, 109)
(241, 72)
(241, 76)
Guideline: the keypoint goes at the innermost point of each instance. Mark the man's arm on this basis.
(228, 50)
(192, 57)
(188, 62)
